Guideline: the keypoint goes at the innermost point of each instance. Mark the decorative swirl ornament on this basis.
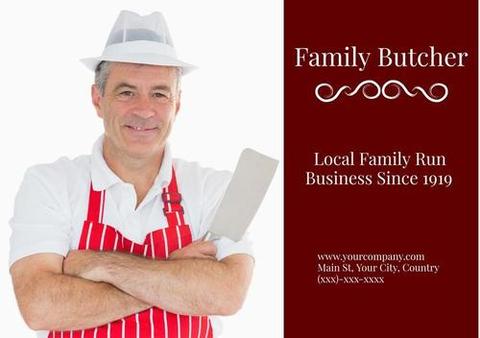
(381, 91)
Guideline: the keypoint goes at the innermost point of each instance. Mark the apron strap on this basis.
(96, 203)
(172, 199)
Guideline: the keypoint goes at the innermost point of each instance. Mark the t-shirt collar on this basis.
(103, 177)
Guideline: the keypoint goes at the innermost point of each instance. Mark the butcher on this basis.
(110, 244)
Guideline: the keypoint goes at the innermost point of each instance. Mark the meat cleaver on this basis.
(243, 196)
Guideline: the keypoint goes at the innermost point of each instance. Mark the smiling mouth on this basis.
(140, 128)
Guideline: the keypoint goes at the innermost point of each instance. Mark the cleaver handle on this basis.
(210, 236)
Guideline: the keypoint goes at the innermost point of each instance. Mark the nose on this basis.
(144, 107)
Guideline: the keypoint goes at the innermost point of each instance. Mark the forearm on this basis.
(61, 302)
(187, 286)
(190, 286)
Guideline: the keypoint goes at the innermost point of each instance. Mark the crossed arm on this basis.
(90, 288)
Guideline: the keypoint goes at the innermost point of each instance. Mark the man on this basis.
(109, 245)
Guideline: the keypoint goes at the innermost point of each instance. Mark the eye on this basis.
(160, 95)
(126, 93)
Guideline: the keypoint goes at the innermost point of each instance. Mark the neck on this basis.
(141, 172)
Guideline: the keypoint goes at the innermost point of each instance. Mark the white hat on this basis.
(139, 39)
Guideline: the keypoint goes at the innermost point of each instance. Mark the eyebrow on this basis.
(162, 87)
(124, 85)
(130, 86)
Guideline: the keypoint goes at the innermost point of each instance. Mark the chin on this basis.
(142, 151)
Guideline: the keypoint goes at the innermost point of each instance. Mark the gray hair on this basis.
(101, 74)
(103, 71)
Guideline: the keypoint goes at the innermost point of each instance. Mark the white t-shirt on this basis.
(52, 202)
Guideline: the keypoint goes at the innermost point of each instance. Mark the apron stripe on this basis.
(179, 334)
(137, 325)
(194, 329)
(83, 237)
(205, 326)
(159, 324)
(115, 244)
(179, 221)
(208, 328)
(165, 243)
(144, 320)
(189, 326)
(158, 244)
(152, 326)
(102, 206)
(87, 244)
(102, 239)
(132, 246)
(152, 245)
(182, 321)
(165, 323)
(179, 238)
(100, 211)
(199, 327)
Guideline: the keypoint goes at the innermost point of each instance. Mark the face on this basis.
(138, 109)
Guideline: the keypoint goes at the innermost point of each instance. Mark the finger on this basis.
(209, 257)
(208, 248)
(204, 246)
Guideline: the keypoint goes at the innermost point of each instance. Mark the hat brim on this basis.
(145, 59)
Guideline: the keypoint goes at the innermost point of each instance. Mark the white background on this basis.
(233, 101)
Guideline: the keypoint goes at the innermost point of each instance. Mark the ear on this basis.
(96, 100)
(179, 96)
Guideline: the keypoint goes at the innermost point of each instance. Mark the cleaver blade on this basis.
(243, 196)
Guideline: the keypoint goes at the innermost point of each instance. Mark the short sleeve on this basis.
(214, 189)
(226, 247)
(41, 221)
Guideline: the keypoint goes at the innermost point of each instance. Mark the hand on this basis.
(196, 249)
(81, 263)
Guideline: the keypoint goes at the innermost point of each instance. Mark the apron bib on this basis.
(153, 322)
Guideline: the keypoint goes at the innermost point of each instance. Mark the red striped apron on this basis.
(158, 244)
